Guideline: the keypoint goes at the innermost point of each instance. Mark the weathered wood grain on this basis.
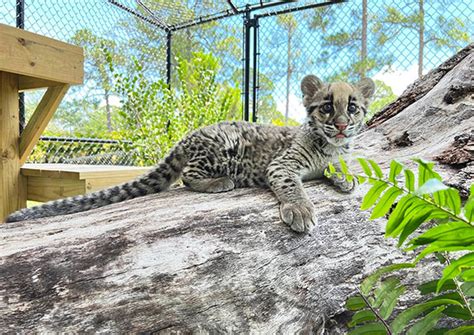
(423, 85)
(39, 57)
(9, 132)
(185, 262)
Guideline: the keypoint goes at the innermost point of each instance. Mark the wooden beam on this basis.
(9, 134)
(40, 119)
(37, 56)
(29, 83)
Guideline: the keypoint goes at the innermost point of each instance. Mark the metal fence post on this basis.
(255, 69)
(247, 26)
(168, 58)
(20, 23)
(250, 23)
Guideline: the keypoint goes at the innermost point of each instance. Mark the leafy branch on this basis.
(414, 203)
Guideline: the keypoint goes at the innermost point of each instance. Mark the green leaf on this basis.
(385, 202)
(355, 303)
(437, 248)
(395, 169)
(397, 216)
(468, 289)
(383, 288)
(365, 166)
(369, 282)
(431, 186)
(451, 295)
(463, 330)
(422, 216)
(404, 318)
(430, 287)
(373, 194)
(362, 317)
(390, 301)
(416, 208)
(344, 168)
(440, 257)
(467, 275)
(455, 268)
(453, 200)
(377, 170)
(437, 331)
(422, 326)
(425, 172)
(361, 179)
(409, 180)
(369, 329)
(469, 209)
(458, 312)
(440, 198)
(450, 234)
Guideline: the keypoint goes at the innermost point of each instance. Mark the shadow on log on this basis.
(189, 262)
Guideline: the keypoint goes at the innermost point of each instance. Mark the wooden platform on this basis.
(29, 61)
(46, 182)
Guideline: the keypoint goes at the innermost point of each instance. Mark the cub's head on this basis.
(336, 110)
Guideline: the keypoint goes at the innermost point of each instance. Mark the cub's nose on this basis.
(341, 126)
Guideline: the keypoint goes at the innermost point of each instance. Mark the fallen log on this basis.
(180, 261)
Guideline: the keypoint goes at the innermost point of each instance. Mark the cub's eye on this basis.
(352, 108)
(327, 108)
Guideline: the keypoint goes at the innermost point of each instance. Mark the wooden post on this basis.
(29, 61)
(11, 195)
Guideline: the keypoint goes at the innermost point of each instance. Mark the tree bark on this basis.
(460, 86)
(185, 262)
(363, 49)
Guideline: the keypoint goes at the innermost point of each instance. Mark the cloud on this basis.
(398, 79)
(114, 101)
(296, 109)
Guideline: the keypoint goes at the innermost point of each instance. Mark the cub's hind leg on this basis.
(210, 185)
(204, 180)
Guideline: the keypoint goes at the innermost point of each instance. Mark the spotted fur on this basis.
(230, 155)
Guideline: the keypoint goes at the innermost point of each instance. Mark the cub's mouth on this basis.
(341, 135)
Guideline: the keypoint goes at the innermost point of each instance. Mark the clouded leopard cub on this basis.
(227, 155)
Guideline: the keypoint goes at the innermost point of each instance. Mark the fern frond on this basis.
(404, 318)
(422, 198)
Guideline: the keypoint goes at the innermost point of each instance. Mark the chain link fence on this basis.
(328, 42)
(392, 41)
(87, 151)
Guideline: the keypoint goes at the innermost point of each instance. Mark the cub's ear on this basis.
(310, 85)
(366, 86)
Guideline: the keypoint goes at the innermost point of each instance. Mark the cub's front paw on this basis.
(299, 216)
(343, 185)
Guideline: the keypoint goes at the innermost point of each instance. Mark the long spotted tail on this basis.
(159, 179)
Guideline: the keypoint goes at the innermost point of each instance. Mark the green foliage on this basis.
(448, 232)
(154, 117)
(382, 97)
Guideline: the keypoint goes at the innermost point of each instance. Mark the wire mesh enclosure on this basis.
(88, 151)
(144, 55)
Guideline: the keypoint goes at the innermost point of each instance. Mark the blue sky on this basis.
(62, 18)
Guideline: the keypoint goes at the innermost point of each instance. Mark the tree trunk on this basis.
(363, 49)
(421, 37)
(289, 71)
(108, 111)
(186, 262)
